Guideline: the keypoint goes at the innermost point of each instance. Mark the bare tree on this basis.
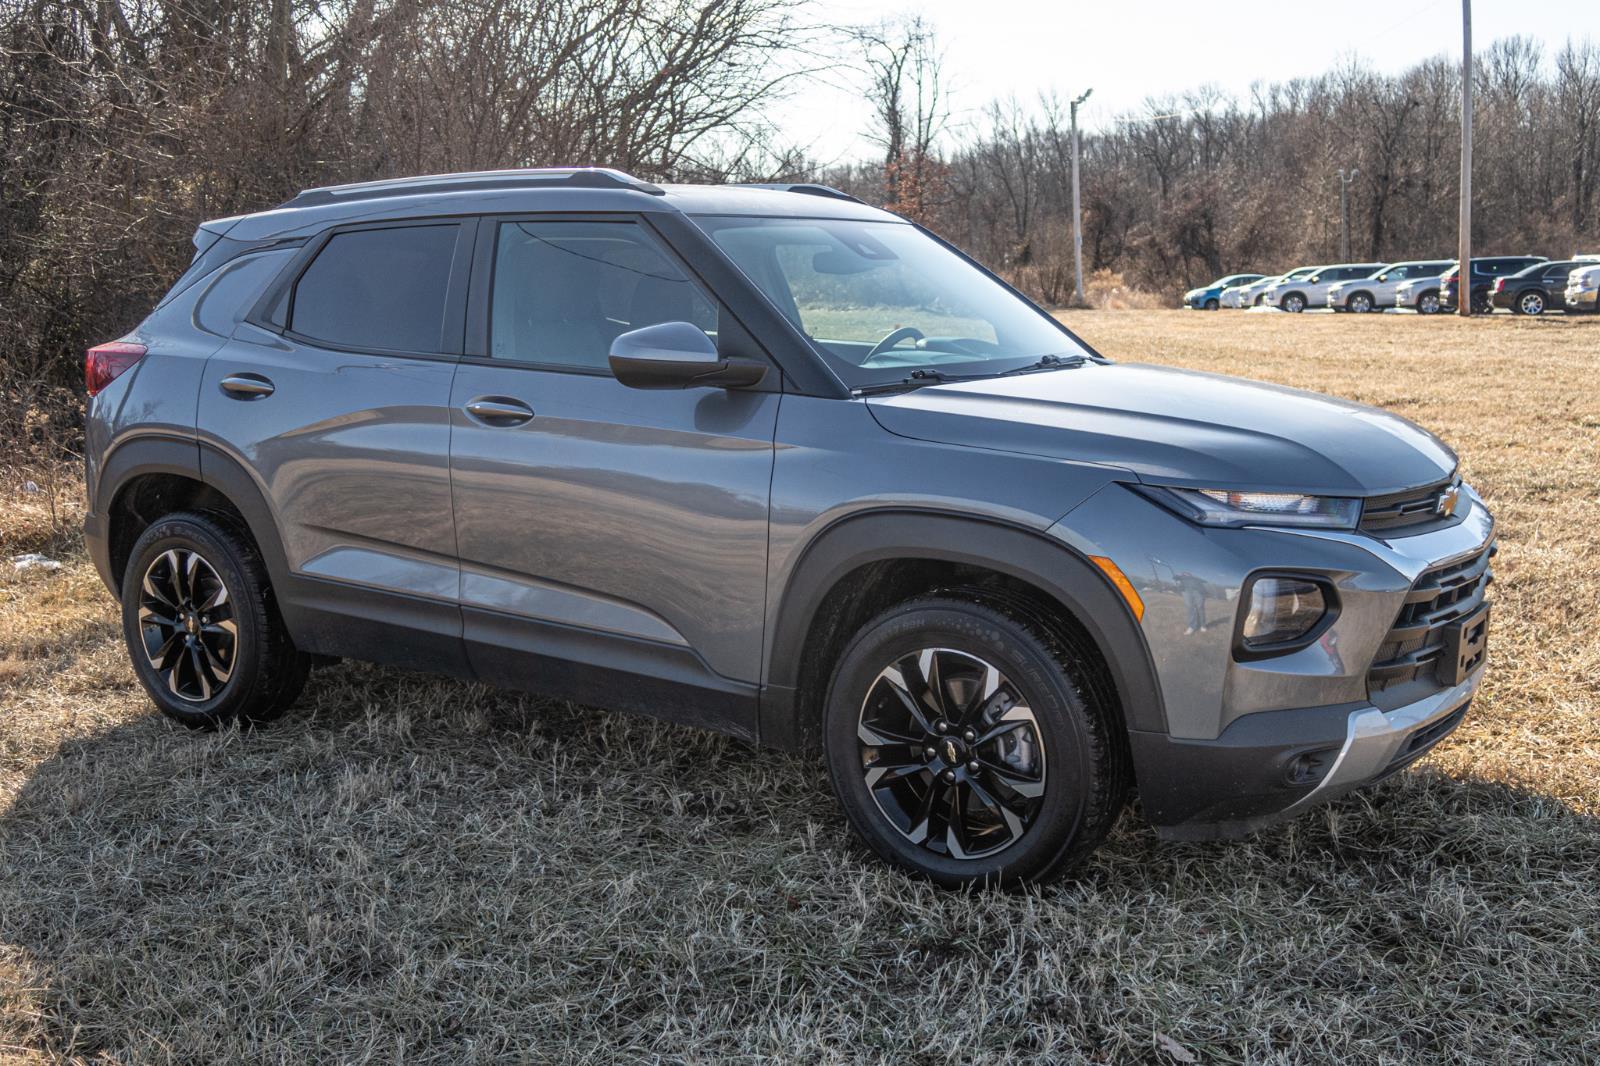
(910, 110)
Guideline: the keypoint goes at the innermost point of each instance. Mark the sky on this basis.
(1127, 51)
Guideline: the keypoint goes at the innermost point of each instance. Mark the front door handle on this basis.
(499, 411)
(246, 386)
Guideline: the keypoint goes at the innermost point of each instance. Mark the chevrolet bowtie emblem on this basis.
(1448, 499)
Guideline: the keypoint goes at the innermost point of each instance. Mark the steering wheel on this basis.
(894, 337)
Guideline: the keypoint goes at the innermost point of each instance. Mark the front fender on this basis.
(1036, 558)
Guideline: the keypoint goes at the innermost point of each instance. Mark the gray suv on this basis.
(769, 461)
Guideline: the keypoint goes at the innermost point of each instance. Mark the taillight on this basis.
(103, 362)
(1499, 285)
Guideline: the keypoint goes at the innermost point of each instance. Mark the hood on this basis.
(1178, 427)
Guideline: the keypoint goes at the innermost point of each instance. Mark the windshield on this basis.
(881, 299)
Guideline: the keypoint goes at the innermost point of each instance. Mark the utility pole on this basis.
(1344, 212)
(1464, 272)
(1078, 296)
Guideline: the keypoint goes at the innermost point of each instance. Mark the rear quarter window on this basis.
(377, 288)
(235, 290)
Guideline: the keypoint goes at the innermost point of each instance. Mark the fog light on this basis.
(1282, 610)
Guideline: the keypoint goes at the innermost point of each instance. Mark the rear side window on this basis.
(235, 289)
(377, 288)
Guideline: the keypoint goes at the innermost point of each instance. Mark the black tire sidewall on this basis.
(205, 537)
(1057, 709)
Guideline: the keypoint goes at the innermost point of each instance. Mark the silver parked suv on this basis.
(769, 461)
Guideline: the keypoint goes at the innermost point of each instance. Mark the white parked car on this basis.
(1376, 291)
(1421, 293)
(1233, 296)
(1250, 295)
(1297, 294)
(1583, 289)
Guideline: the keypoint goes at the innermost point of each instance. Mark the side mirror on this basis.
(678, 355)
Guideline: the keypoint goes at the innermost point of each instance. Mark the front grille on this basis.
(1400, 510)
(1423, 740)
(1441, 596)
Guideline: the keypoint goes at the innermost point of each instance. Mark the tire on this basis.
(1212, 304)
(190, 579)
(1046, 720)
(1481, 304)
(1531, 302)
(1360, 303)
(1293, 303)
(1428, 303)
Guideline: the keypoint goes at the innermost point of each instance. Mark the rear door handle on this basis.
(246, 386)
(499, 411)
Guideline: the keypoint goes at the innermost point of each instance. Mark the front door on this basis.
(340, 411)
(613, 541)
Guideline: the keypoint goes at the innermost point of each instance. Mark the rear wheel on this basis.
(201, 627)
(1481, 304)
(1294, 303)
(968, 745)
(1428, 303)
(1530, 303)
(1360, 303)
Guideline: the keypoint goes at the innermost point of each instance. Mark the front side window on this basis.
(377, 288)
(563, 291)
(880, 298)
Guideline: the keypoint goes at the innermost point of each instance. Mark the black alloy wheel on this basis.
(951, 753)
(202, 625)
(969, 741)
(186, 625)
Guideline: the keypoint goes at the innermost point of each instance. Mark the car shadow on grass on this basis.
(410, 868)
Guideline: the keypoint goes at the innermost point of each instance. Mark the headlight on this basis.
(1220, 507)
(1282, 612)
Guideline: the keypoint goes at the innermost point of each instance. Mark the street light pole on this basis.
(1078, 296)
(1344, 212)
(1464, 270)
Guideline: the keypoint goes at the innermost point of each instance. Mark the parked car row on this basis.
(1522, 284)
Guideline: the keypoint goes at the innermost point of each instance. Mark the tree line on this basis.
(124, 123)
(1203, 184)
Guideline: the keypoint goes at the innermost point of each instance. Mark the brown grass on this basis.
(409, 870)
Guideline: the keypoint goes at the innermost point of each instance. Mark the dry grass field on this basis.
(407, 870)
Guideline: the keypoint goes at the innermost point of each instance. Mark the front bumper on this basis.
(1272, 766)
(1583, 299)
(1250, 741)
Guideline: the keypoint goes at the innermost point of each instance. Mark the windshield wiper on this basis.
(1047, 362)
(928, 376)
(918, 378)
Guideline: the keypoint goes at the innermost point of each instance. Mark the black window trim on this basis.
(475, 346)
(452, 330)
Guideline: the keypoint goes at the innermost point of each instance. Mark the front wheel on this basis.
(201, 626)
(1294, 303)
(1361, 303)
(1212, 304)
(1530, 303)
(967, 745)
(1481, 304)
(1428, 303)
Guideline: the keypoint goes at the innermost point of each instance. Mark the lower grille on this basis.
(1440, 597)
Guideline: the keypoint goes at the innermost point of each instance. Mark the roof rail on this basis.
(810, 188)
(532, 178)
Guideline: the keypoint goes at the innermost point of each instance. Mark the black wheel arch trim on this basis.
(1019, 552)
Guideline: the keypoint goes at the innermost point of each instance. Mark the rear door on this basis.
(334, 397)
(613, 541)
